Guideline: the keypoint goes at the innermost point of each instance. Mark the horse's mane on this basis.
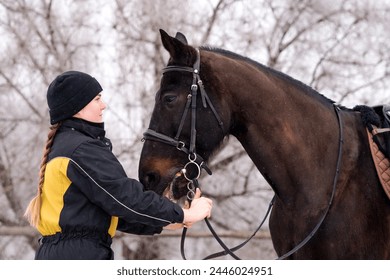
(305, 88)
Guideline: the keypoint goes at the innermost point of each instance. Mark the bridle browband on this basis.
(198, 161)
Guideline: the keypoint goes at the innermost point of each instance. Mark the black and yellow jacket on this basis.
(86, 189)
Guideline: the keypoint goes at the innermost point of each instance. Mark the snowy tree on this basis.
(340, 49)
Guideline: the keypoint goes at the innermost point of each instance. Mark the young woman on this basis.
(84, 194)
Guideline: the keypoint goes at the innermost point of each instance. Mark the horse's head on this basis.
(186, 125)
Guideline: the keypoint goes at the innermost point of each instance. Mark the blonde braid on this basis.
(33, 210)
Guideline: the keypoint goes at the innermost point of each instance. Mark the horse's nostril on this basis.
(150, 179)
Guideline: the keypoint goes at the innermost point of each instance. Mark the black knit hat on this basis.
(69, 93)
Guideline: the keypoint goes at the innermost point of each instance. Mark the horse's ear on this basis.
(175, 46)
(180, 36)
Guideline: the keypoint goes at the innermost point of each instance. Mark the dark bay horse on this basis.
(313, 154)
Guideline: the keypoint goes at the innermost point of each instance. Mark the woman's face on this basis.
(93, 112)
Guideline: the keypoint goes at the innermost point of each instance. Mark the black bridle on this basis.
(195, 160)
(198, 162)
(197, 84)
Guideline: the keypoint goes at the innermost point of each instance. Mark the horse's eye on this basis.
(169, 98)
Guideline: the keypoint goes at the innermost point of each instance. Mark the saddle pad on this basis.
(382, 164)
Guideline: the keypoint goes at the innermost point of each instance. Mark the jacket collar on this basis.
(94, 130)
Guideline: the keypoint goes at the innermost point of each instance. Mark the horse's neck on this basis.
(288, 134)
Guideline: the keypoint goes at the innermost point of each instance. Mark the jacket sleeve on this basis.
(95, 170)
(137, 228)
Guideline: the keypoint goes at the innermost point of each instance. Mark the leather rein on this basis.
(197, 162)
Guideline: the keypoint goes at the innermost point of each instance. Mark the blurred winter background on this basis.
(340, 48)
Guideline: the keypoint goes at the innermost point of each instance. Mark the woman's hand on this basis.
(174, 226)
(200, 209)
